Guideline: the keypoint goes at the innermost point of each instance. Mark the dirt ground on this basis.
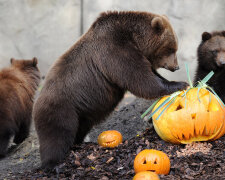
(90, 161)
(26, 156)
(20, 158)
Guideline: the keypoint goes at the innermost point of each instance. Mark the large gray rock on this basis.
(126, 120)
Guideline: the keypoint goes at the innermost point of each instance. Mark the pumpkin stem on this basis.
(150, 108)
(198, 94)
(217, 97)
(184, 96)
(201, 84)
(188, 75)
(161, 105)
(174, 95)
(168, 105)
(210, 97)
(205, 80)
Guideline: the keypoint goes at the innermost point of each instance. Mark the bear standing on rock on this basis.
(17, 88)
(211, 57)
(121, 51)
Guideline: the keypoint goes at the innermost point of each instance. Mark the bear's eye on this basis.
(214, 52)
(170, 50)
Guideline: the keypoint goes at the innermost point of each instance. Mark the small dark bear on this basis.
(211, 57)
(17, 87)
(121, 51)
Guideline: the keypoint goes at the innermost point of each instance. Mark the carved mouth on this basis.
(110, 142)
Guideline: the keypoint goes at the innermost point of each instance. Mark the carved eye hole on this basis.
(145, 162)
(214, 52)
(179, 107)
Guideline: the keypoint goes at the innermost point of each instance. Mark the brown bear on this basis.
(211, 57)
(17, 87)
(121, 51)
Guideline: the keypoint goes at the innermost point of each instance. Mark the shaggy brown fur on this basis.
(211, 57)
(121, 51)
(17, 87)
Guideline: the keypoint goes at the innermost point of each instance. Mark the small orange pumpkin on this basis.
(111, 138)
(199, 116)
(146, 175)
(152, 160)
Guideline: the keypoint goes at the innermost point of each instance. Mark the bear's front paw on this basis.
(182, 85)
(177, 86)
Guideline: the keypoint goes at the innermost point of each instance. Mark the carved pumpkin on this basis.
(197, 117)
(110, 138)
(146, 175)
(152, 160)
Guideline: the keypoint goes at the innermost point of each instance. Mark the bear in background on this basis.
(121, 51)
(211, 57)
(17, 88)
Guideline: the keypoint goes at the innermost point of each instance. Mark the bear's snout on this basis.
(222, 61)
(221, 58)
(172, 69)
(176, 68)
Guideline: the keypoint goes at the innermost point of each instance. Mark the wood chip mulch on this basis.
(89, 161)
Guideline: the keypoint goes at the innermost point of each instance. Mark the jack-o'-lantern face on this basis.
(111, 138)
(152, 160)
(198, 116)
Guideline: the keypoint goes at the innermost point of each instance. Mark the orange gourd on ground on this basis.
(197, 117)
(152, 160)
(146, 175)
(111, 138)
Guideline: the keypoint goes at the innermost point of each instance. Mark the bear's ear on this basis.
(35, 61)
(165, 16)
(12, 60)
(206, 36)
(223, 33)
(157, 24)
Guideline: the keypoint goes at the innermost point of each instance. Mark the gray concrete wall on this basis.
(41, 28)
(47, 28)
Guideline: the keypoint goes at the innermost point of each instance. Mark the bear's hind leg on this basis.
(22, 134)
(56, 137)
(84, 127)
(4, 142)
